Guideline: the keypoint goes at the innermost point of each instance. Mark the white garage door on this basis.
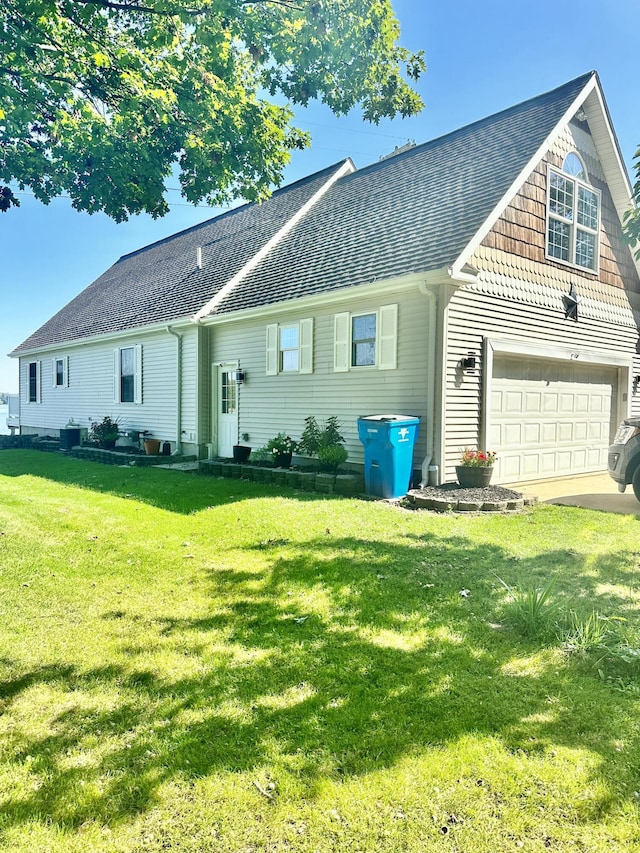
(550, 418)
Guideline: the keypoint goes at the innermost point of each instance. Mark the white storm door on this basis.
(227, 409)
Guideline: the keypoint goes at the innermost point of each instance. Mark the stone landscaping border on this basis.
(305, 480)
(448, 502)
(117, 457)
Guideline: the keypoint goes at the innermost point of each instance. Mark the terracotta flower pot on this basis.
(472, 477)
(152, 446)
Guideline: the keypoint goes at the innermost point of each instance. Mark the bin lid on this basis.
(389, 418)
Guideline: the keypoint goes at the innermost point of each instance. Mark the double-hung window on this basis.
(366, 340)
(289, 355)
(289, 347)
(60, 370)
(363, 340)
(33, 375)
(128, 374)
(573, 216)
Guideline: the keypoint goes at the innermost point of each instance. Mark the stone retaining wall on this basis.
(308, 481)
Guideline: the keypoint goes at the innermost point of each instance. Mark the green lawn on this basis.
(192, 664)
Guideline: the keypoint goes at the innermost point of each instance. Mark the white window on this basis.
(573, 210)
(127, 379)
(289, 347)
(33, 374)
(60, 371)
(366, 340)
(289, 357)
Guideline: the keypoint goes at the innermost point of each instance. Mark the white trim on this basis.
(346, 169)
(183, 322)
(387, 337)
(353, 316)
(137, 375)
(510, 194)
(341, 342)
(38, 372)
(305, 345)
(65, 371)
(573, 224)
(346, 295)
(137, 378)
(272, 354)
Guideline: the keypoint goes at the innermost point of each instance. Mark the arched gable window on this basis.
(574, 166)
(573, 215)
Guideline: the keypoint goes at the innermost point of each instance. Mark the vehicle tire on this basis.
(635, 482)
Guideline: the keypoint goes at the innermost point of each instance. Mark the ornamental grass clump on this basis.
(478, 458)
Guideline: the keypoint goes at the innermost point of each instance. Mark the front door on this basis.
(227, 409)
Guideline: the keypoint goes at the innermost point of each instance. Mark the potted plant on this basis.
(282, 448)
(476, 468)
(324, 442)
(105, 432)
(152, 446)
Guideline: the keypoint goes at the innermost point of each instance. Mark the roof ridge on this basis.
(220, 216)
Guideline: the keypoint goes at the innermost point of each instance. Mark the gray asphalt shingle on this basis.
(411, 213)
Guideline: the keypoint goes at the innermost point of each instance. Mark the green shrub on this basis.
(325, 442)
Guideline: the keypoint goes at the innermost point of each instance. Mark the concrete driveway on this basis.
(591, 491)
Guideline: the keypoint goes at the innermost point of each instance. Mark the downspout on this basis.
(178, 338)
(431, 390)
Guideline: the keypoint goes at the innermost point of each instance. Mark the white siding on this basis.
(89, 394)
(270, 404)
(473, 316)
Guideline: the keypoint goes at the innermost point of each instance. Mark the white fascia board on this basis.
(608, 150)
(508, 197)
(376, 289)
(346, 169)
(580, 356)
(181, 322)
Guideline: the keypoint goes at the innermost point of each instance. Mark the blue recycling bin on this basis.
(388, 453)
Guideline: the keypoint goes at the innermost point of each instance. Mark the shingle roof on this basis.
(161, 282)
(411, 213)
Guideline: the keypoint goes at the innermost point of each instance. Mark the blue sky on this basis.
(481, 57)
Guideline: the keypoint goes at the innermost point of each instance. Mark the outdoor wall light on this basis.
(468, 363)
(239, 375)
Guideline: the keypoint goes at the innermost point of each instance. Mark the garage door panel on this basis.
(550, 418)
(512, 435)
(565, 432)
(582, 404)
(549, 432)
(513, 401)
(567, 404)
(532, 402)
(581, 430)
